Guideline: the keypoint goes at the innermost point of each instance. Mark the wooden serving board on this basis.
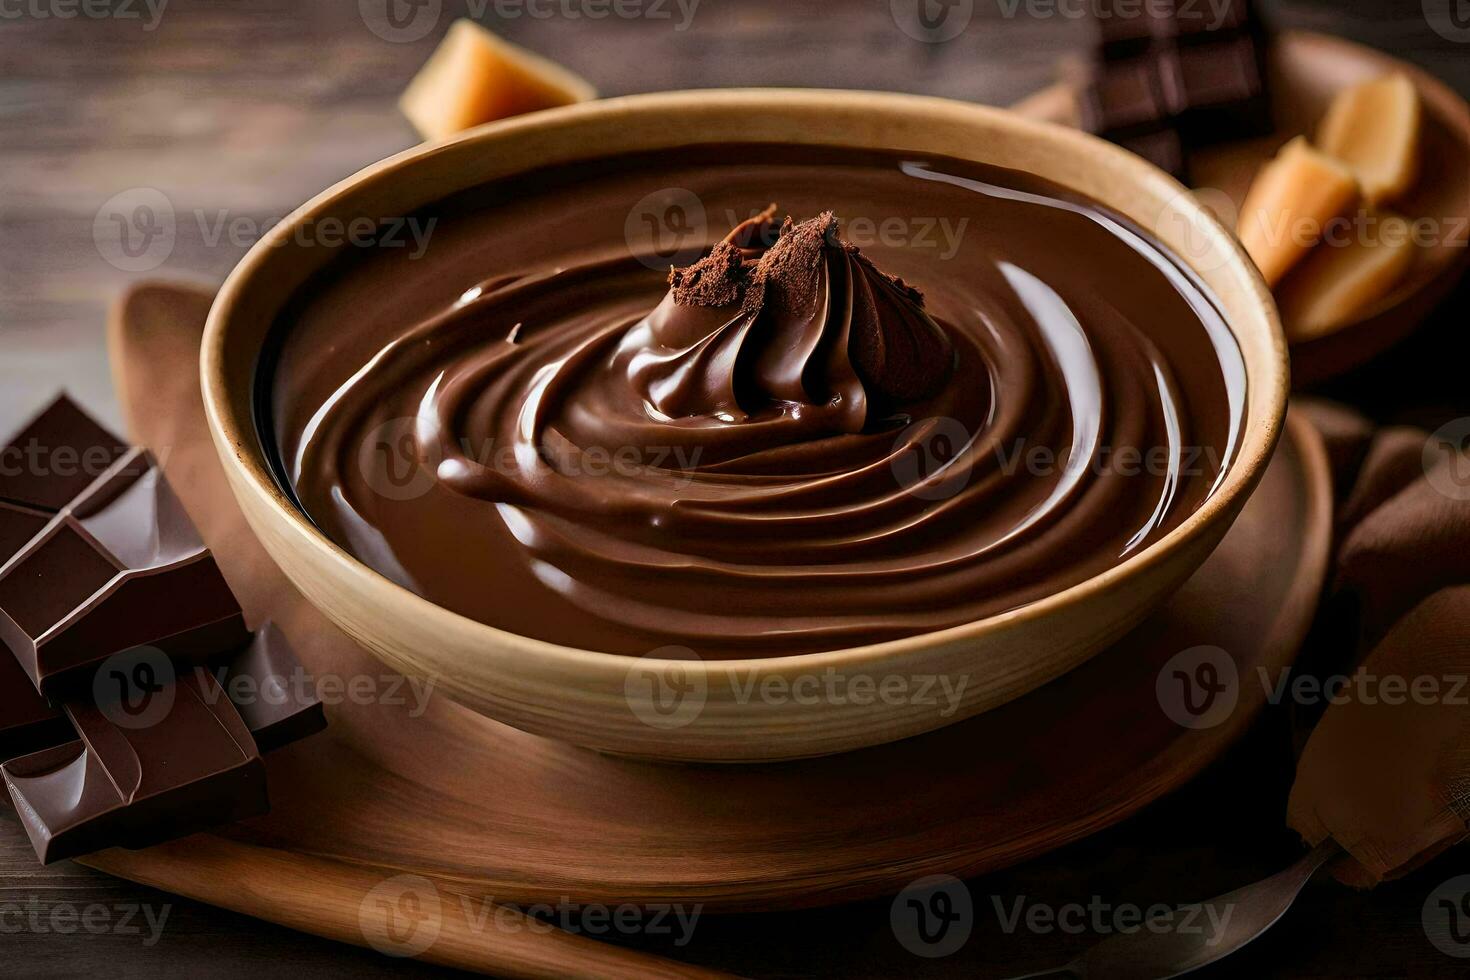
(481, 809)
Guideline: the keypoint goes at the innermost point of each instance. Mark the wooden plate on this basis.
(1307, 71)
(487, 810)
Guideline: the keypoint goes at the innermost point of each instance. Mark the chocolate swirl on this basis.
(790, 450)
(807, 323)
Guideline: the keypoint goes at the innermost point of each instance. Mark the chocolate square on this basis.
(1207, 20)
(1134, 94)
(173, 762)
(27, 721)
(1127, 29)
(267, 684)
(1224, 88)
(55, 457)
(18, 525)
(121, 567)
(1195, 68)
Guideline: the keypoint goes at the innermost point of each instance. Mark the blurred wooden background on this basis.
(237, 111)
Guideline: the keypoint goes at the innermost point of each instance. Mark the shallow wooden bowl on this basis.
(1307, 71)
(599, 700)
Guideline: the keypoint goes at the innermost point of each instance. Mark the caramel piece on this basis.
(474, 77)
(1374, 129)
(1339, 281)
(1289, 205)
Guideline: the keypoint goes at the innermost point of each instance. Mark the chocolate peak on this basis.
(801, 318)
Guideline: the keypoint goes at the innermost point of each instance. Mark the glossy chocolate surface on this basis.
(27, 721)
(268, 686)
(1167, 77)
(142, 772)
(120, 566)
(104, 579)
(526, 424)
(55, 456)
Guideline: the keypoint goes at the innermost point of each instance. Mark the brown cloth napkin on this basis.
(1386, 771)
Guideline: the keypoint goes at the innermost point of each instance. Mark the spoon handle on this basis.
(1220, 927)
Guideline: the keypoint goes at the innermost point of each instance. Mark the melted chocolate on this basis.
(967, 390)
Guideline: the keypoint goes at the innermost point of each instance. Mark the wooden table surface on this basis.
(235, 112)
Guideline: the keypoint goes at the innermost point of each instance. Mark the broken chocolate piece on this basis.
(1168, 69)
(27, 721)
(1135, 94)
(55, 457)
(113, 573)
(262, 682)
(1125, 33)
(122, 566)
(1223, 91)
(19, 525)
(154, 762)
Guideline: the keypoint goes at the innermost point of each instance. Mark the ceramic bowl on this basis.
(604, 701)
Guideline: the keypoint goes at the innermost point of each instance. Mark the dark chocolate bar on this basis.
(27, 721)
(52, 459)
(1223, 87)
(1133, 94)
(121, 566)
(158, 758)
(55, 457)
(111, 605)
(18, 524)
(262, 680)
(1168, 77)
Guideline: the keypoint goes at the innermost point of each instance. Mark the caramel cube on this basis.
(1289, 206)
(474, 77)
(1374, 129)
(1339, 281)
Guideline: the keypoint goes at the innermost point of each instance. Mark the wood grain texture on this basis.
(253, 106)
(399, 916)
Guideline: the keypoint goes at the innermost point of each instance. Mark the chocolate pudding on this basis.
(913, 393)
